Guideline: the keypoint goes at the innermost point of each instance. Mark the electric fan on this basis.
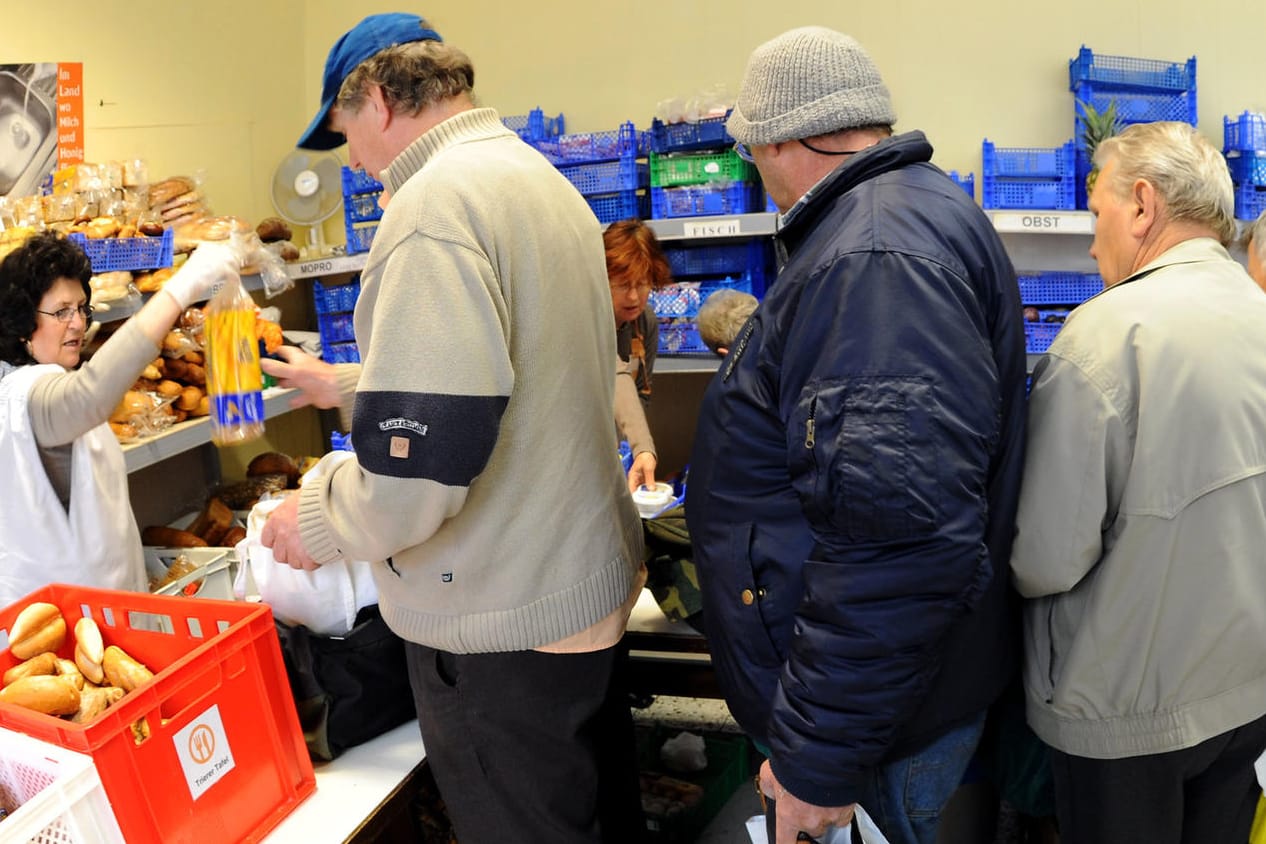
(307, 190)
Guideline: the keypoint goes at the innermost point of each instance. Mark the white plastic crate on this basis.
(52, 795)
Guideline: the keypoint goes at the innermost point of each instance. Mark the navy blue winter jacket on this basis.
(854, 478)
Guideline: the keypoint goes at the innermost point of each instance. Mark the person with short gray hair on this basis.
(722, 316)
(1255, 246)
(1140, 527)
(855, 466)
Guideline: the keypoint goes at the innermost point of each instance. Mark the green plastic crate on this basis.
(700, 169)
(705, 793)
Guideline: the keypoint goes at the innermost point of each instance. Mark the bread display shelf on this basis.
(121, 309)
(192, 433)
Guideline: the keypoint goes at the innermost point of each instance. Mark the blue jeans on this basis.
(905, 797)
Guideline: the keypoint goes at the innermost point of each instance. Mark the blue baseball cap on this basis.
(369, 37)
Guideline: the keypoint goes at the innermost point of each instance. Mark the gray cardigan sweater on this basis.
(485, 481)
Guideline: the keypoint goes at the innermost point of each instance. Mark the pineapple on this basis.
(1098, 127)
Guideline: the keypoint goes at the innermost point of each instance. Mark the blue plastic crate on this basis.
(359, 237)
(967, 183)
(1247, 168)
(1058, 288)
(1250, 201)
(590, 147)
(1036, 194)
(688, 260)
(358, 181)
(535, 126)
(622, 174)
(1125, 71)
(684, 298)
(1083, 170)
(624, 205)
(1246, 133)
(340, 353)
(110, 254)
(685, 137)
(679, 337)
(1028, 162)
(1038, 336)
(705, 200)
(362, 208)
(335, 328)
(335, 298)
(1138, 106)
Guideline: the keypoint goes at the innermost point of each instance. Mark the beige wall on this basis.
(226, 87)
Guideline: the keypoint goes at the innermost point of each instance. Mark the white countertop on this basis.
(351, 788)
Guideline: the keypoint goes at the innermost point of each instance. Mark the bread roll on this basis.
(272, 228)
(93, 700)
(168, 189)
(123, 671)
(68, 670)
(132, 405)
(101, 227)
(40, 664)
(233, 536)
(123, 431)
(39, 627)
(89, 649)
(188, 400)
(168, 388)
(214, 520)
(167, 537)
(45, 693)
(274, 463)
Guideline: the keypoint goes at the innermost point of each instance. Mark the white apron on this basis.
(96, 543)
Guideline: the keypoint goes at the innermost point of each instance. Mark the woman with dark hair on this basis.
(66, 516)
(635, 265)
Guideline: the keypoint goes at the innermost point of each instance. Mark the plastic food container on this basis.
(650, 501)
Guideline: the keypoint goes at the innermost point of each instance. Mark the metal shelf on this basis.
(193, 433)
(701, 228)
(332, 265)
(121, 309)
(686, 363)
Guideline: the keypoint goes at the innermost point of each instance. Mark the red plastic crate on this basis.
(225, 759)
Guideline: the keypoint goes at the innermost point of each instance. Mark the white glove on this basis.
(208, 268)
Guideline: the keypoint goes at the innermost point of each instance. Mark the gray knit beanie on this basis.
(806, 82)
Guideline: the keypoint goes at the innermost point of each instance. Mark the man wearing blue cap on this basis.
(484, 477)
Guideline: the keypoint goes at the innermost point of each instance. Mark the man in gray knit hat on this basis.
(856, 466)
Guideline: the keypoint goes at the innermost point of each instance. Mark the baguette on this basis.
(38, 628)
(123, 671)
(89, 650)
(44, 693)
(40, 664)
(168, 537)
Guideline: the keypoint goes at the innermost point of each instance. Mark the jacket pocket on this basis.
(864, 458)
(758, 600)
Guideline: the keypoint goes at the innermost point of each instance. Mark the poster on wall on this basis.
(41, 123)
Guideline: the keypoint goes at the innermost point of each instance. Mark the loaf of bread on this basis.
(169, 537)
(39, 627)
(233, 536)
(89, 650)
(272, 228)
(44, 693)
(274, 463)
(213, 522)
(123, 671)
(45, 663)
(167, 190)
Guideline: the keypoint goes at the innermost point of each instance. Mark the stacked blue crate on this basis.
(1244, 145)
(699, 270)
(1047, 297)
(1028, 177)
(1144, 90)
(334, 307)
(535, 126)
(361, 211)
(967, 183)
(605, 167)
(702, 198)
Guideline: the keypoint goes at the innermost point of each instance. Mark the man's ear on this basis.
(1147, 208)
(375, 99)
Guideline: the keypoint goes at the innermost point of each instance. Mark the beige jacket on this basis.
(1142, 523)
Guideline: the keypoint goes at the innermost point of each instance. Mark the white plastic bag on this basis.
(325, 601)
(836, 835)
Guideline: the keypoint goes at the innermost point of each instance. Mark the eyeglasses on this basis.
(743, 152)
(68, 313)
(640, 289)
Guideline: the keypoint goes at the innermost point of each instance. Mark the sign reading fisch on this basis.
(204, 752)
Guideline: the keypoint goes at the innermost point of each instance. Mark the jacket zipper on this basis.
(809, 439)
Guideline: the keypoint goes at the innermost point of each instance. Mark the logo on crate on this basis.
(204, 752)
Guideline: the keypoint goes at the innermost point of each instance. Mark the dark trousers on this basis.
(530, 747)
(1201, 795)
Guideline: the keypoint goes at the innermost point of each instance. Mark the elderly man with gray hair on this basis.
(852, 490)
(1255, 244)
(1141, 525)
(722, 316)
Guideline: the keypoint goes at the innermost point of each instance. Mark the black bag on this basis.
(347, 689)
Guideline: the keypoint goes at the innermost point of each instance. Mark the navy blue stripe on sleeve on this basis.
(431, 436)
